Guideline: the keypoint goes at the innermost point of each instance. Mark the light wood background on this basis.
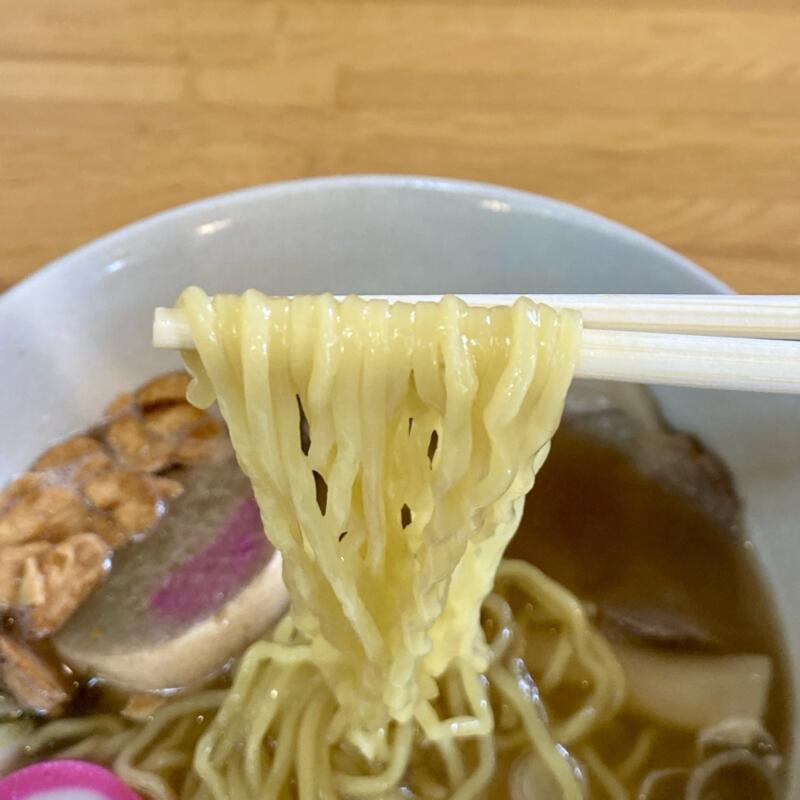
(678, 117)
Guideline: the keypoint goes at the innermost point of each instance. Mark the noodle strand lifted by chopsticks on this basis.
(427, 424)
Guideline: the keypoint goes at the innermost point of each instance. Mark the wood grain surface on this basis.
(678, 117)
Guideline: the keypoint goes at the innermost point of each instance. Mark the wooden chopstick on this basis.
(702, 362)
(760, 316)
(632, 347)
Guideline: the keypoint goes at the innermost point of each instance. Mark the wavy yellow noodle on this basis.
(427, 424)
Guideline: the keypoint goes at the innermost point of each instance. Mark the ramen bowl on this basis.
(79, 331)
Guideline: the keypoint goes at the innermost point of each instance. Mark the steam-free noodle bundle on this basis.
(426, 426)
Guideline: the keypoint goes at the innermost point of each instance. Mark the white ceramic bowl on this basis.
(77, 332)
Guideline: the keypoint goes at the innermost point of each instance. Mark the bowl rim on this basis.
(382, 181)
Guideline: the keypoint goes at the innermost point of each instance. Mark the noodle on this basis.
(613, 788)
(638, 755)
(427, 425)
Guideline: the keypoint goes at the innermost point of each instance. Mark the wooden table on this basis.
(678, 117)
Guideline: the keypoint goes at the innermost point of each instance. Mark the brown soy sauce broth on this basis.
(643, 524)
